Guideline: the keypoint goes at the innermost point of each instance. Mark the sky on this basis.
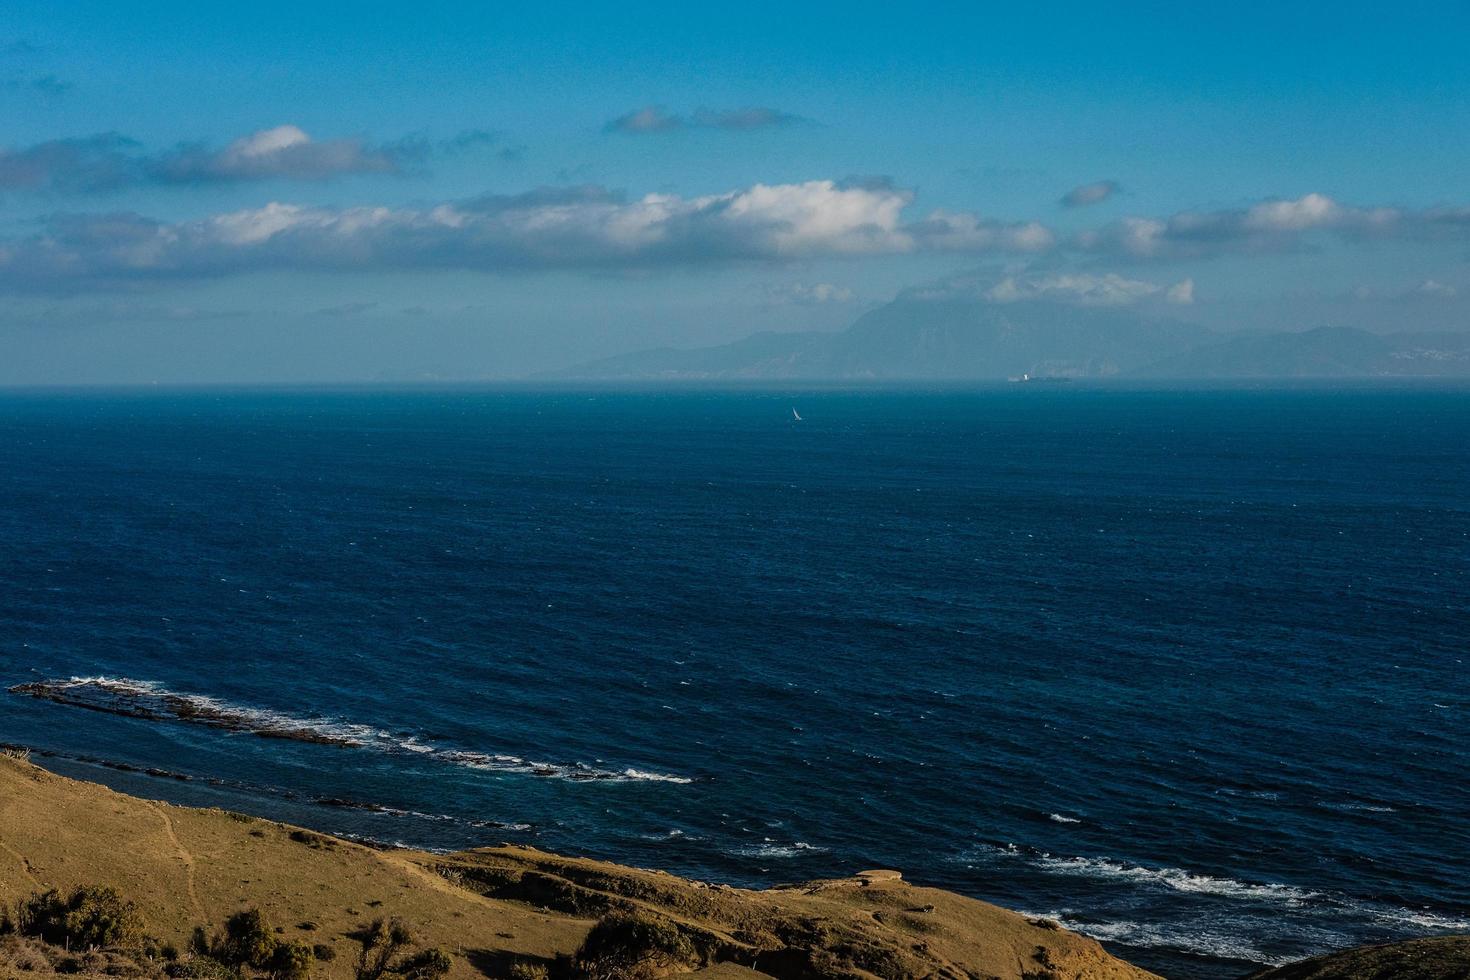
(280, 192)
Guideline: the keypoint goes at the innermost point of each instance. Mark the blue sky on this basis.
(256, 191)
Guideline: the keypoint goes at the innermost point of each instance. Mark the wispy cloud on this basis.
(282, 152)
(47, 86)
(1271, 225)
(109, 161)
(590, 227)
(586, 227)
(1062, 288)
(105, 161)
(1094, 193)
(1088, 289)
(655, 119)
(1432, 287)
(811, 293)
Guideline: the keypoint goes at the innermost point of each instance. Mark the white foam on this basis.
(1061, 819)
(1177, 879)
(1421, 919)
(1357, 807)
(654, 777)
(148, 699)
(1188, 938)
(771, 849)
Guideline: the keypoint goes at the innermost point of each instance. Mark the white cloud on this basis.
(812, 294)
(1094, 193)
(656, 119)
(566, 228)
(1182, 292)
(1265, 226)
(965, 231)
(280, 152)
(591, 227)
(1432, 287)
(1086, 289)
(109, 161)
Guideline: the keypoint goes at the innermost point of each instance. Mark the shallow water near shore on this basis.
(1185, 670)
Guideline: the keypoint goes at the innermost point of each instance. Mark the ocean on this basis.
(1184, 670)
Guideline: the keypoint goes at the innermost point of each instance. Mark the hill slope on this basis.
(1324, 352)
(926, 339)
(969, 339)
(1441, 958)
(495, 907)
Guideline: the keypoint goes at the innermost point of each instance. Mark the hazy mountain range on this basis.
(955, 339)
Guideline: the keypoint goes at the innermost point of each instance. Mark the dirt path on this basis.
(196, 906)
(25, 865)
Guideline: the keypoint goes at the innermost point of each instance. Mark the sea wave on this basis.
(154, 702)
(1310, 910)
(771, 849)
(1174, 879)
(1185, 939)
(1420, 919)
(1177, 879)
(1353, 807)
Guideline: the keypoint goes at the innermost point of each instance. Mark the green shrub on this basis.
(527, 970)
(291, 961)
(430, 964)
(385, 950)
(88, 918)
(381, 942)
(630, 946)
(203, 968)
(248, 941)
(324, 952)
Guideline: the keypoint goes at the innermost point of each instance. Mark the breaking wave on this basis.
(153, 702)
(770, 849)
(1174, 879)
(1177, 879)
(1187, 939)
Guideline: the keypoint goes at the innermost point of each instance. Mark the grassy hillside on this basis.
(497, 912)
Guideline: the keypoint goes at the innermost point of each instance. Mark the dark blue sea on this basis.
(1185, 670)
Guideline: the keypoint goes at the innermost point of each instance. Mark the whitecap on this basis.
(154, 702)
(1176, 879)
(771, 849)
(1188, 938)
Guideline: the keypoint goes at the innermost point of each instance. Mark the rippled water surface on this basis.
(1185, 670)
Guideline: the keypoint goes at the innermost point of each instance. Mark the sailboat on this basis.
(795, 415)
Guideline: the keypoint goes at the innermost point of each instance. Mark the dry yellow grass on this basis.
(491, 907)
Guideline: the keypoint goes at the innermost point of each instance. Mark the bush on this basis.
(248, 941)
(631, 946)
(88, 918)
(527, 970)
(291, 961)
(381, 943)
(203, 968)
(324, 952)
(427, 965)
(385, 950)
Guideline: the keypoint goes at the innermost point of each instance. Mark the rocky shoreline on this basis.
(514, 911)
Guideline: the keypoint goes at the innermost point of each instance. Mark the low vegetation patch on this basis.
(388, 951)
(96, 931)
(85, 919)
(633, 946)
